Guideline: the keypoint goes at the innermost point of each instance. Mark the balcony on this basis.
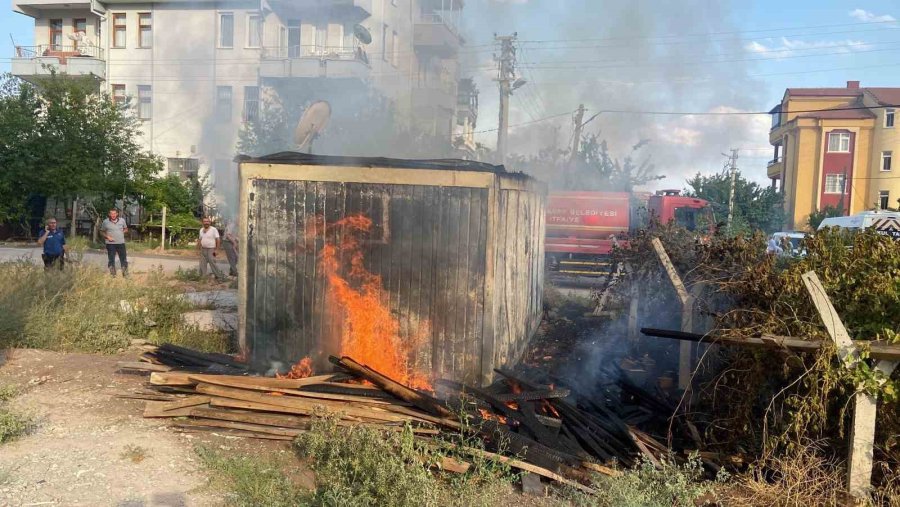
(30, 62)
(436, 33)
(33, 8)
(775, 167)
(334, 62)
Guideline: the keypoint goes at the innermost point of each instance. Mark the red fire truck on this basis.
(583, 227)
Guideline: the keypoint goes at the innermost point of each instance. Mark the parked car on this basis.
(787, 243)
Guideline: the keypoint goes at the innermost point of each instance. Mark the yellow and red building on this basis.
(835, 146)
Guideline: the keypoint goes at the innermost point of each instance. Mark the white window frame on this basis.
(890, 113)
(839, 177)
(222, 16)
(259, 30)
(395, 42)
(141, 102)
(223, 106)
(884, 197)
(842, 136)
(887, 156)
(250, 110)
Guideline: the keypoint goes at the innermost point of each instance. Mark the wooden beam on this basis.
(847, 352)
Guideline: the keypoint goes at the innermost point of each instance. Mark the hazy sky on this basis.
(659, 55)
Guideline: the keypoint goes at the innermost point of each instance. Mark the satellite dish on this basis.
(362, 34)
(313, 122)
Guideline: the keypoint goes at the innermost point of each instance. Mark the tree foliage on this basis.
(756, 208)
(594, 167)
(62, 139)
(816, 217)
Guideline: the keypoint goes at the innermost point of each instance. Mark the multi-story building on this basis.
(835, 147)
(196, 70)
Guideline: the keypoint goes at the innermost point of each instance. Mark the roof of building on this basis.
(885, 96)
(298, 158)
(842, 113)
(825, 92)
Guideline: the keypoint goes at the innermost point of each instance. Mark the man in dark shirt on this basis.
(54, 242)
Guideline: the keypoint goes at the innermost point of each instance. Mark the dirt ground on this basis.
(76, 454)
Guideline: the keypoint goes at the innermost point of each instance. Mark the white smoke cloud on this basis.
(784, 47)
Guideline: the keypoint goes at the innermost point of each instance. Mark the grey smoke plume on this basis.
(622, 56)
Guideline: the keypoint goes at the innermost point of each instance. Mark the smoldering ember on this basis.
(449, 252)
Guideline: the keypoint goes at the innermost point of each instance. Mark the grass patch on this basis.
(79, 309)
(8, 392)
(648, 486)
(134, 453)
(251, 481)
(360, 466)
(188, 275)
(13, 425)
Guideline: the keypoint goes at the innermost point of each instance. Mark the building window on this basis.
(56, 39)
(145, 102)
(884, 199)
(886, 160)
(223, 103)
(889, 118)
(79, 26)
(251, 103)
(226, 30)
(834, 183)
(254, 31)
(394, 47)
(839, 142)
(385, 43)
(119, 30)
(118, 94)
(184, 168)
(145, 30)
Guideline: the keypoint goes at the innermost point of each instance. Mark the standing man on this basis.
(230, 244)
(113, 230)
(208, 243)
(54, 242)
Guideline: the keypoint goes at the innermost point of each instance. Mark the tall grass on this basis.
(80, 309)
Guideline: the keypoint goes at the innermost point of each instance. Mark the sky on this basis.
(698, 56)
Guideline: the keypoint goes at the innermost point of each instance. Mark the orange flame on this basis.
(491, 416)
(302, 369)
(370, 333)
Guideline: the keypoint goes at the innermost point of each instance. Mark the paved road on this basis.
(136, 262)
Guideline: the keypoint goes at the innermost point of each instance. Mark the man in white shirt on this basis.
(208, 242)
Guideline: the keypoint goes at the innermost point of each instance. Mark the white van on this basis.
(884, 222)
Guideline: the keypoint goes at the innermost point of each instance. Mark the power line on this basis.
(567, 113)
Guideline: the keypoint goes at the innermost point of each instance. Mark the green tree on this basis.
(593, 167)
(816, 217)
(76, 143)
(755, 207)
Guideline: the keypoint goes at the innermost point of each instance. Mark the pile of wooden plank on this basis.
(541, 425)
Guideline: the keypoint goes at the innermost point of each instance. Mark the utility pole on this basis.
(733, 169)
(505, 78)
(576, 140)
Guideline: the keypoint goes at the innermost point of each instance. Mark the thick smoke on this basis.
(623, 56)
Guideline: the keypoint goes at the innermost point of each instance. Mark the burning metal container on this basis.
(421, 269)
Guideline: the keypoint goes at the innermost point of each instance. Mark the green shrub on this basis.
(188, 275)
(670, 485)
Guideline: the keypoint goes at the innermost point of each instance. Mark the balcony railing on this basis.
(775, 161)
(60, 51)
(436, 18)
(353, 53)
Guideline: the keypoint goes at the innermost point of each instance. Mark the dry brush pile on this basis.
(767, 405)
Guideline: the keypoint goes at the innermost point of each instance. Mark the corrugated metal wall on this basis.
(428, 243)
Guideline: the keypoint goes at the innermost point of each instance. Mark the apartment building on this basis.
(194, 71)
(835, 147)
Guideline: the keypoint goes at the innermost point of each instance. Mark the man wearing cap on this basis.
(54, 242)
